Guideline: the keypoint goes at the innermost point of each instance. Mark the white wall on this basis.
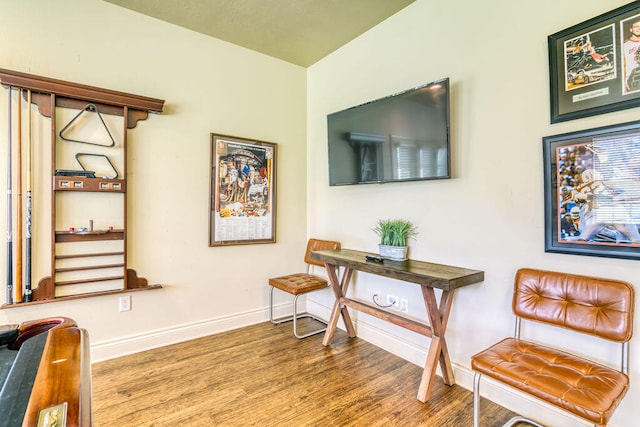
(490, 215)
(209, 86)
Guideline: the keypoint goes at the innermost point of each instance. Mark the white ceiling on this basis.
(297, 31)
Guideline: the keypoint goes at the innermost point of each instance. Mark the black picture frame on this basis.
(242, 200)
(592, 191)
(588, 70)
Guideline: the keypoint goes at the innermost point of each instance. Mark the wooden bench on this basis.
(599, 307)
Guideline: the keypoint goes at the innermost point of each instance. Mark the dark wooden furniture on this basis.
(599, 307)
(301, 283)
(427, 275)
(76, 271)
(45, 373)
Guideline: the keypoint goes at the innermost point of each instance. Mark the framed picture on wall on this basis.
(594, 66)
(242, 199)
(592, 191)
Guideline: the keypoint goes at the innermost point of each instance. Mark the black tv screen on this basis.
(402, 137)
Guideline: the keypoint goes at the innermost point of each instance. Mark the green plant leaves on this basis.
(395, 232)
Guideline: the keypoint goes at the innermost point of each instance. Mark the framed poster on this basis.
(243, 191)
(592, 191)
(594, 66)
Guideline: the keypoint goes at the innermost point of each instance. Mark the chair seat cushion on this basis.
(299, 283)
(584, 388)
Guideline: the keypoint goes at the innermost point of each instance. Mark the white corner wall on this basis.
(209, 86)
(490, 215)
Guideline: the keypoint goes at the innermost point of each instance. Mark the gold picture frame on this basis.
(242, 203)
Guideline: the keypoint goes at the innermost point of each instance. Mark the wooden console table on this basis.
(429, 276)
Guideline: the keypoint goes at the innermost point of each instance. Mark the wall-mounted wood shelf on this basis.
(52, 96)
(88, 236)
(89, 295)
(86, 255)
(75, 95)
(77, 183)
(88, 267)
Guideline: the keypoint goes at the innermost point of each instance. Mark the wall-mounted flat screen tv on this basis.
(402, 137)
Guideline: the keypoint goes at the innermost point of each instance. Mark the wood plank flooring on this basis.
(262, 375)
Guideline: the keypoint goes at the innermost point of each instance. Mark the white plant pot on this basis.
(395, 253)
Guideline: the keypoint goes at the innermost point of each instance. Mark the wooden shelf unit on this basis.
(77, 183)
(49, 95)
(87, 236)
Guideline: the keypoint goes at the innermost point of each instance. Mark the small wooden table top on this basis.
(428, 275)
(440, 276)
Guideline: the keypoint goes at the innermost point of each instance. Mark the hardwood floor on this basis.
(262, 376)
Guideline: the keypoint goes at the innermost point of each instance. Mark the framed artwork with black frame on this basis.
(592, 191)
(594, 66)
(242, 207)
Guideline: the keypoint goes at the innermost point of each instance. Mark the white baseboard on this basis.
(110, 349)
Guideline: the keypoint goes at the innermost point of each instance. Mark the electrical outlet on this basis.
(393, 301)
(125, 303)
(404, 305)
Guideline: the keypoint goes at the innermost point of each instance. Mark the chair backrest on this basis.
(600, 307)
(319, 245)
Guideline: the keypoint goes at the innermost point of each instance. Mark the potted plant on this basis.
(394, 237)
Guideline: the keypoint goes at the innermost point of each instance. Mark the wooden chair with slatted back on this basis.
(302, 283)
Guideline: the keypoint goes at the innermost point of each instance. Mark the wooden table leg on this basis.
(429, 373)
(339, 288)
(331, 324)
(438, 352)
(446, 301)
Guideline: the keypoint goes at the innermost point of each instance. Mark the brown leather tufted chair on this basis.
(599, 307)
(301, 283)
